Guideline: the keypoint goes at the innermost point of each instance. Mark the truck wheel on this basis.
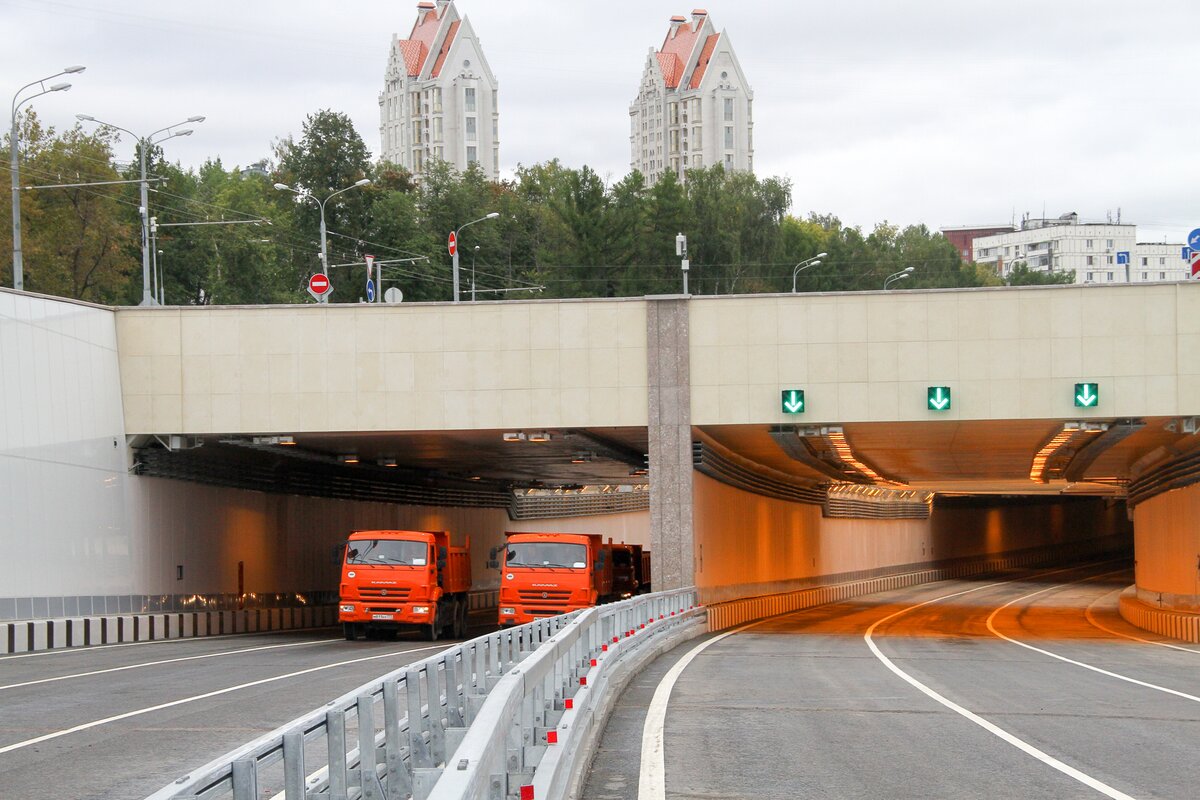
(431, 630)
(348, 631)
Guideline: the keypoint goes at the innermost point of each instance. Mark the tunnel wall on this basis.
(748, 545)
(1167, 548)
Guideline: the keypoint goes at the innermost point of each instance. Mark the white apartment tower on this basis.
(694, 107)
(439, 96)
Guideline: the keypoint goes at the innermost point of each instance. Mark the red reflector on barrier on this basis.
(672, 613)
(616, 639)
(643, 625)
(527, 792)
(593, 662)
(551, 737)
(604, 648)
(569, 702)
(583, 680)
(660, 616)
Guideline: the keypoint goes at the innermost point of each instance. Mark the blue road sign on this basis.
(1194, 239)
(370, 291)
(1187, 253)
(1122, 256)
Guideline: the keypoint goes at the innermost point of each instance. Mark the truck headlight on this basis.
(349, 608)
(508, 612)
(420, 609)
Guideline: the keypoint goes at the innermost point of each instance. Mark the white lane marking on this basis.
(991, 728)
(91, 648)
(991, 627)
(167, 661)
(149, 709)
(1092, 619)
(652, 783)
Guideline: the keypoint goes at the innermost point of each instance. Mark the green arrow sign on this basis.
(938, 398)
(1087, 395)
(793, 401)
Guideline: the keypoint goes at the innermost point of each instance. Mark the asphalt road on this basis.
(1070, 704)
(123, 721)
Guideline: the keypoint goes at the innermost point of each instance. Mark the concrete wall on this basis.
(1167, 544)
(1006, 354)
(369, 368)
(747, 544)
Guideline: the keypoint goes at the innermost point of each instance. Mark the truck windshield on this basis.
(387, 551)
(546, 554)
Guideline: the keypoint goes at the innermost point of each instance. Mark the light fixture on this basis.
(583, 457)
(539, 436)
(1063, 447)
(387, 462)
(348, 458)
(273, 440)
(514, 436)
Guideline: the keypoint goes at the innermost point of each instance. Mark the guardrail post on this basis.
(293, 764)
(335, 731)
(418, 749)
(368, 774)
(437, 729)
(245, 779)
(399, 783)
(454, 711)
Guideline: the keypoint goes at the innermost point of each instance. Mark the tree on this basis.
(1022, 275)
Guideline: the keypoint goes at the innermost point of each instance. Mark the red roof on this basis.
(679, 48)
(710, 44)
(416, 47)
(441, 59)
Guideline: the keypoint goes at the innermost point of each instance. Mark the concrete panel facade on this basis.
(370, 368)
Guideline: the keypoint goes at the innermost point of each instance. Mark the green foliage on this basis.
(1022, 275)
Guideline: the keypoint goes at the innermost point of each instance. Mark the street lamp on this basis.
(473, 254)
(283, 187)
(18, 265)
(805, 264)
(144, 144)
(897, 276)
(454, 255)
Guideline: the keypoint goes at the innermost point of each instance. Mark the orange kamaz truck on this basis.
(397, 580)
(543, 574)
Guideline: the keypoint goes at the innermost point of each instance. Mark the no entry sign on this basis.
(319, 285)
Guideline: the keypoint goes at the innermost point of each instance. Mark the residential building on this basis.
(964, 236)
(439, 99)
(694, 106)
(1103, 252)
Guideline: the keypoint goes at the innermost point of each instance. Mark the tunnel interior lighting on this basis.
(387, 462)
(837, 439)
(514, 436)
(583, 457)
(1073, 437)
(539, 436)
(348, 458)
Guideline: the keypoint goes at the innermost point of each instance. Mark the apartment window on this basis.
(495, 128)
(437, 129)
(729, 160)
(495, 100)
(1162, 276)
(1110, 277)
(1108, 259)
(1145, 274)
(471, 134)
(1089, 244)
(1091, 260)
(675, 141)
(1006, 250)
(674, 109)
(729, 109)
(1162, 261)
(472, 153)
(1144, 260)
(495, 157)
(728, 137)
(437, 101)
(469, 99)
(696, 160)
(1090, 277)
(1108, 244)
(697, 141)
(437, 153)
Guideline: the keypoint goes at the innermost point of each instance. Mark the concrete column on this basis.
(669, 422)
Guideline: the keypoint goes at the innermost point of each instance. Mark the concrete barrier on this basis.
(1182, 625)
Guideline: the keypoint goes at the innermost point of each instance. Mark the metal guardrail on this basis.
(478, 720)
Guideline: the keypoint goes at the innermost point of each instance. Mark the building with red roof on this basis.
(439, 100)
(694, 106)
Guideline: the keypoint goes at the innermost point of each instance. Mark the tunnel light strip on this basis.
(1069, 431)
(840, 446)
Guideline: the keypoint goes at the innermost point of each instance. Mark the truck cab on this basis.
(544, 574)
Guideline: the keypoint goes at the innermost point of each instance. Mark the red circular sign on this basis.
(452, 243)
(319, 283)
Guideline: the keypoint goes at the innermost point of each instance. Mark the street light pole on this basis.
(18, 265)
(805, 264)
(473, 254)
(454, 255)
(283, 187)
(144, 144)
(897, 276)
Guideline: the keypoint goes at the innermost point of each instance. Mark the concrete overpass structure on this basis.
(489, 416)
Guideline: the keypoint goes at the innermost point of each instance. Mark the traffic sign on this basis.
(1087, 395)
(1122, 256)
(1186, 255)
(937, 398)
(1194, 239)
(370, 290)
(792, 401)
(1196, 264)
(452, 243)
(319, 285)
(392, 295)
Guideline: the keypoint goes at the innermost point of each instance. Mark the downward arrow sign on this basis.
(1086, 398)
(794, 402)
(939, 401)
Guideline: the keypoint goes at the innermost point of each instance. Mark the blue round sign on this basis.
(1194, 239)
(370, 290)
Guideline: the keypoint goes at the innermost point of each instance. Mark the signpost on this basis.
(319, 286)
(792, 401)
(452, 243)
(937, 398)
(1087, 395)
(370, 290)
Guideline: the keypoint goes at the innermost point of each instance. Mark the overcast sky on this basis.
(946, 112)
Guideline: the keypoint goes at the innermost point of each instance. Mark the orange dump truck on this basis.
(393, 580)
(544, 574)
(631, 569)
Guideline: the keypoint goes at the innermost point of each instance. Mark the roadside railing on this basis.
(479, 720)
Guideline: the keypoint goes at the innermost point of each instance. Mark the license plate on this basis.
(381, 616)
